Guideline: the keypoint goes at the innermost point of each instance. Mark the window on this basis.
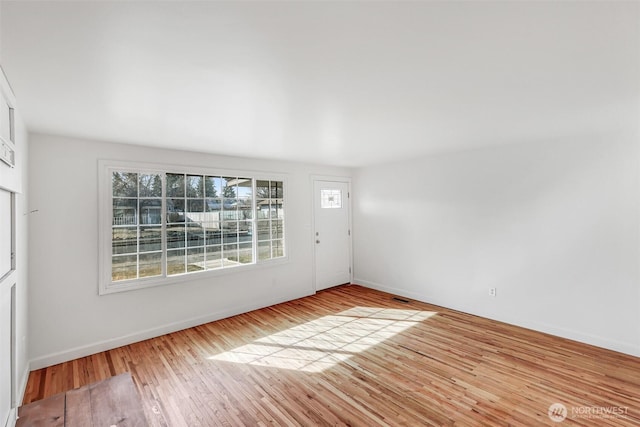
(7, 133)
(136, 230)
(163, 224)
(270, 213)
(330, 199)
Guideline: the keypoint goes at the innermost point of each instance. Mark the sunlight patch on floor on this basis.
(322, 343)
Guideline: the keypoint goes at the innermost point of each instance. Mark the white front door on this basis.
(332, 234)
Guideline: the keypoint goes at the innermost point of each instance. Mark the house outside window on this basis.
(158, 224)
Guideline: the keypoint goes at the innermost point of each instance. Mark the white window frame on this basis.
(105, 219)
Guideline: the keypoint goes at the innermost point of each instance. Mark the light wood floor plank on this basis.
(354, 356)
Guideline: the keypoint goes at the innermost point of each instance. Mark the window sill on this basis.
(151, 282)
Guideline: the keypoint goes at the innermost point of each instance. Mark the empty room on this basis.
(319, 213)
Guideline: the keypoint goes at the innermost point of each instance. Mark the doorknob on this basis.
(317, 241)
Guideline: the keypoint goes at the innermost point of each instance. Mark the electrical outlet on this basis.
(493, 292)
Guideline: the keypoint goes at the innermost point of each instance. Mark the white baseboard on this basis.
(87, 350)
(391, 290)
(595, 340)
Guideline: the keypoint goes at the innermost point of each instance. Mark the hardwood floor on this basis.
(354, 356)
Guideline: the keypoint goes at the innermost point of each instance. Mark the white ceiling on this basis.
(343, 83)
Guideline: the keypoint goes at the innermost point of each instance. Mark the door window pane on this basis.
(330, 198)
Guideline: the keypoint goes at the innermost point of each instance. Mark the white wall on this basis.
(553, 226)
(68, 319)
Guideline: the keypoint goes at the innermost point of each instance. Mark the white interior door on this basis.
(7, 278)
(332, 234)
(6, 379)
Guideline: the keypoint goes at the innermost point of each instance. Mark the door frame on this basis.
(314, 203)
(8, 283)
